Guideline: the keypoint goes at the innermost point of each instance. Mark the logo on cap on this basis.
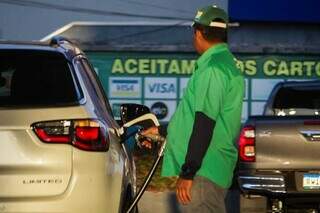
(199, 14)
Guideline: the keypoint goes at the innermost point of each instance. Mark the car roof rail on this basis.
(69, 48)
(57, 40)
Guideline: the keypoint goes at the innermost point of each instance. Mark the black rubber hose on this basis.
(145, 184)
(154, 138)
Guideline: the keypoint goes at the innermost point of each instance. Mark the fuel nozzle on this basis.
(152, 138)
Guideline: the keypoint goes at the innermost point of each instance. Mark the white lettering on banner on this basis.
(160, 88)
(124, 87)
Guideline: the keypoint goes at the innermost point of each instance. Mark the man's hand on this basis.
(183, 190)
(153, 131)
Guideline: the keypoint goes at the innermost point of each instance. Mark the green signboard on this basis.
(158, 80)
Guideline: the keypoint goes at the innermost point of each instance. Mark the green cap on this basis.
(207, 17)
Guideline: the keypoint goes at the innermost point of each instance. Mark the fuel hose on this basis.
(153, 139)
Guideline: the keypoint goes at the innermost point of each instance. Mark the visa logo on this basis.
(125, 87)
(162, 88)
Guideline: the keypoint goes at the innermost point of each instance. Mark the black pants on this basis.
(206, 196)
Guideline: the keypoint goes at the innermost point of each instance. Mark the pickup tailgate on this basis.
(291, 143)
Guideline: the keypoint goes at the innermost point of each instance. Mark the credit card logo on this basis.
(125, 87)
(160, 109)
(161, 88)
(163, 109)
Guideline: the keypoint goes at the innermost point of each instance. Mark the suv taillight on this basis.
(246, 143)
(88, 135)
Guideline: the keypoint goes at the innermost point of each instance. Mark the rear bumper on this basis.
(255, 183)
(275, 184)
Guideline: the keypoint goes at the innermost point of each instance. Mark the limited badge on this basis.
(199, 14)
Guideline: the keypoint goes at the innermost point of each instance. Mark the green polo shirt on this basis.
(216, 88)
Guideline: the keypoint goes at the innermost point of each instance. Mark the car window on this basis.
(29, 78)
(303, 97)
(96, 84)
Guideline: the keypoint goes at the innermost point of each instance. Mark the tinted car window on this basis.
(306, 97)
(36, 78)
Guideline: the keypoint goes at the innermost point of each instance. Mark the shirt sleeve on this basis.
(198, 144)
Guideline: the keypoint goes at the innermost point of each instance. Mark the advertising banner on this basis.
(158, 80)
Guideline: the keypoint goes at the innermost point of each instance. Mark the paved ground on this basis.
(158, 202)
(165, 202)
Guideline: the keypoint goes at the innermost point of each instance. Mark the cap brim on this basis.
(218, 24)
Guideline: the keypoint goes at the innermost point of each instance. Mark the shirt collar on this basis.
(212, 50)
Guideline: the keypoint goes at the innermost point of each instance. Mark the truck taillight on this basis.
(246, 143)
(312, 123)
(88, 135)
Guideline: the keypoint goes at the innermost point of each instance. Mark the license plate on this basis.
(311, 181)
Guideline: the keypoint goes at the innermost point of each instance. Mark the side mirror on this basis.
(145, 121)
(129, 112)
(135, 114)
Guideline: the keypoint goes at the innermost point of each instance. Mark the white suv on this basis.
(60, 150)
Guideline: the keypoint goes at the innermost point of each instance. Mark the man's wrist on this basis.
(187, 172)
(186, 177)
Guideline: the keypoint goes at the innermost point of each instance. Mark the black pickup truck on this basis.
(279, 152)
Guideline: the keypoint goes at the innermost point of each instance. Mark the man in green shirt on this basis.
(201, 147)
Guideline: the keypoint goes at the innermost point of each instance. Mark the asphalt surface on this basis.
(158, 202)
(165, 202)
